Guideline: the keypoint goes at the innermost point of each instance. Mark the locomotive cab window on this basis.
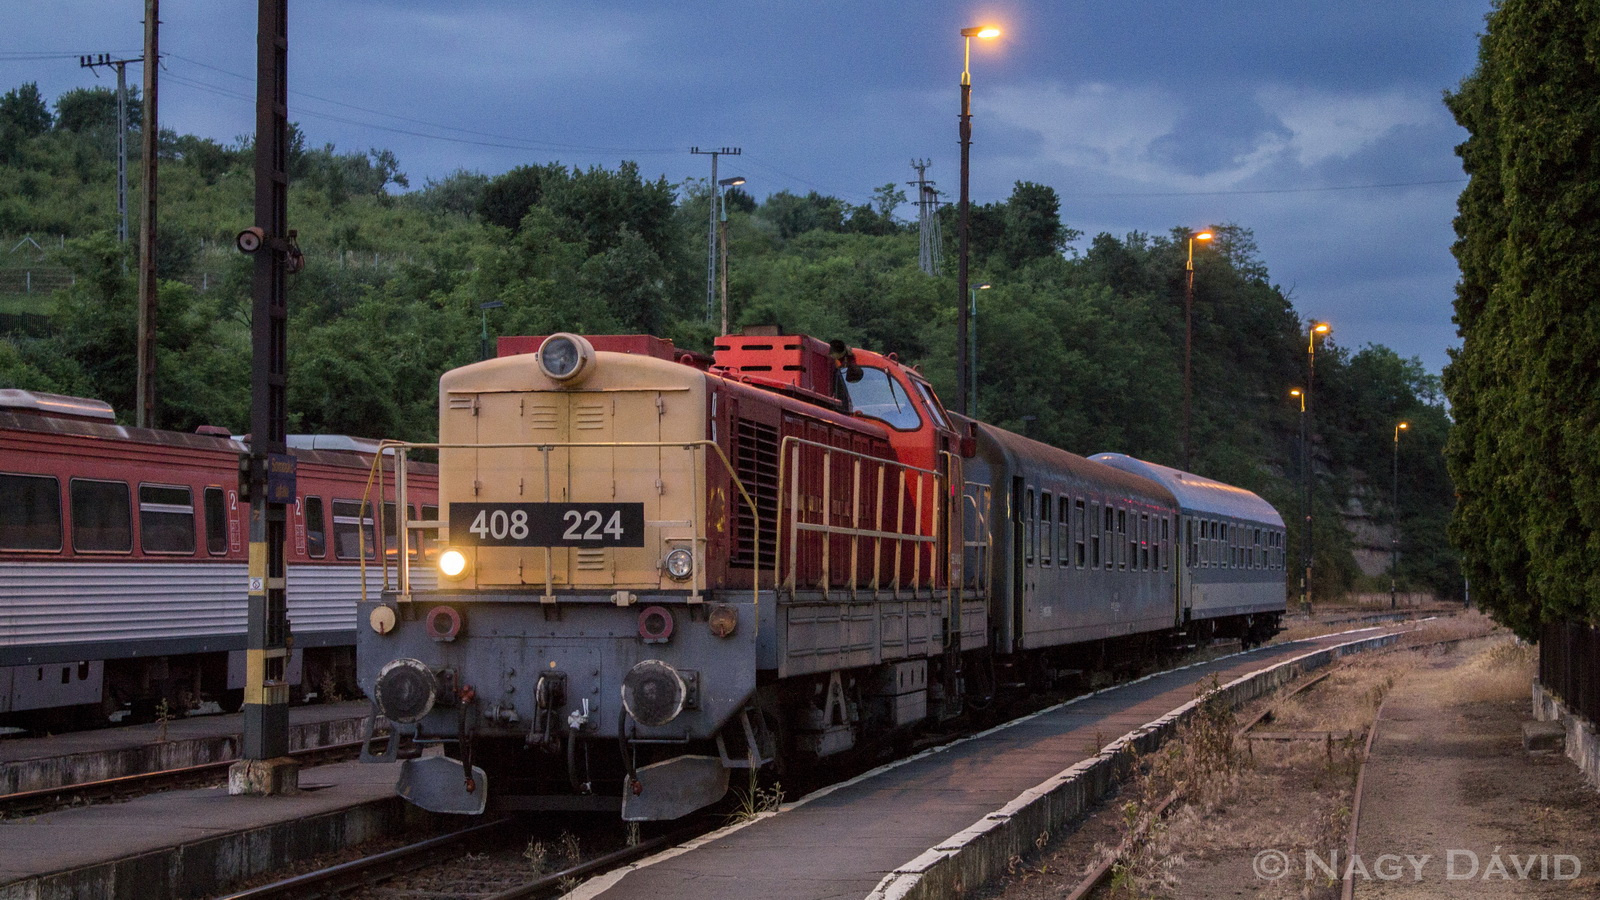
(935, 411)
(30, 512)
(166, 519)
(102, 517)
(879, 396)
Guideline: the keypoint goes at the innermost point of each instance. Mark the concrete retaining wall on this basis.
(115, 762)
(1583, 746)
(981, 853)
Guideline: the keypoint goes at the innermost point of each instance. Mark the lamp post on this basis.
(722, 238)
(1394, 526)
(963, 375)
(1305, 479)
(483, 338)
(1188, 343)
(972, 355)
(1308, 546)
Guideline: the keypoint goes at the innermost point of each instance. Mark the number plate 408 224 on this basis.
(547, 524)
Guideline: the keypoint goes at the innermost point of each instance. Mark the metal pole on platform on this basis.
(263, 768)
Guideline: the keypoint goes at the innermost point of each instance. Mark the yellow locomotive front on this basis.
(560, 473)
(576, 646)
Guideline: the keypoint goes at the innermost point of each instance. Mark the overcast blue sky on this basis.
(1317, 124)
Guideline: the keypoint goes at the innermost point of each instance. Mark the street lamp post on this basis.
(1308, 546)
(963, 375)
(972, 355)
(1188, 344)
(483, 338)
(722, 238)
(1394, 512)
(1305, 483)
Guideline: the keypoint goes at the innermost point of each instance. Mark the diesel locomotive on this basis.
(660, 568)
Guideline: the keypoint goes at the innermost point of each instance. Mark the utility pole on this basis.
(146, 387)
(711, 234)
(930, 243)
(264, 767)
(92, 63)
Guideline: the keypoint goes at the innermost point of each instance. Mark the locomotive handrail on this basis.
(402, 447)
(790, 446)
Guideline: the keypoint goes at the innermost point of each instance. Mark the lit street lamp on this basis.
(1305, 478)
(483, 340)
(972, 406)
(1188, 344)
(722, 239)
(963, 372)
(1394, 512)
(1308, 546)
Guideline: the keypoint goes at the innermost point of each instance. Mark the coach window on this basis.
(316, 528)
(1077, 532)
(1029, 516)
(429, 537)
(102, 517)
(30, 512)
(1144, 541)
(1111, 537)
(352, 529)
(216, 521)
(881, 397)
(1166, 543)
(1047, 532)
(1094, 535)
(166, 519)
(1123, 540)
(1064, 531)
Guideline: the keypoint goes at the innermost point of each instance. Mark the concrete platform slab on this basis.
(858, 838)
(190, 843)
(28, 764)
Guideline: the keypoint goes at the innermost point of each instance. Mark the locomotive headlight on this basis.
(452, 563)
(565, 357)
(679, 564)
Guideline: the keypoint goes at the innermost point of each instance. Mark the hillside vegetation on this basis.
(1080, 341)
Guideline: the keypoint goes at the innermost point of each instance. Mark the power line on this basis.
(1310, 190)
(517, 143)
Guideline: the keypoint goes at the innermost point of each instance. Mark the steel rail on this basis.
(366, 870)
(600, 864)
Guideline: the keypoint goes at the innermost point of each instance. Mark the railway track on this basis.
(1097, 875)
(111, 790)
(462, 871)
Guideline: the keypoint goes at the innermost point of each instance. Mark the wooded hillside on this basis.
(1079, 341)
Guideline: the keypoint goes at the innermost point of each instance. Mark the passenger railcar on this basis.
(124, 550)
(661, 568)
(1231, 583)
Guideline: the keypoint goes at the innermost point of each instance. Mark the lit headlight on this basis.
(452, 563)
(679, 564)
(564, 357)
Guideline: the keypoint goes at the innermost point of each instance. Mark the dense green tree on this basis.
(23, 108)
(1524, 387)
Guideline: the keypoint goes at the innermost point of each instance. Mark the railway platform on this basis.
(190, 843)
(30, 764)
(951, 817)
